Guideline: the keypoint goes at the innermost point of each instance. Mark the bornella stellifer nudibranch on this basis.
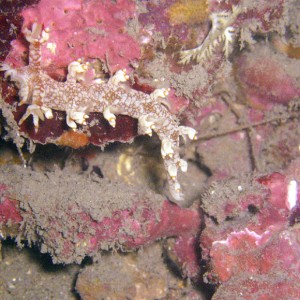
(43, 94)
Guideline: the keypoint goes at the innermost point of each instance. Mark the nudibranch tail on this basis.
(78, 98)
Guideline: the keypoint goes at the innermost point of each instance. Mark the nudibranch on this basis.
(77, 99)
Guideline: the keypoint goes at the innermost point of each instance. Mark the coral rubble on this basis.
(253, 246)
(74, 225)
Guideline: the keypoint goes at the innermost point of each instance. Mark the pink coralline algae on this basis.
(9, 211)
(254, 251)
(267, 79)
(264, 266)
(69, 228)
(187, 255)
(85, 29)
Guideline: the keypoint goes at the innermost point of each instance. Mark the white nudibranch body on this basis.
(43, 94)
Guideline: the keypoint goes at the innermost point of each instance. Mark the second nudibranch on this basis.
(43, 94)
